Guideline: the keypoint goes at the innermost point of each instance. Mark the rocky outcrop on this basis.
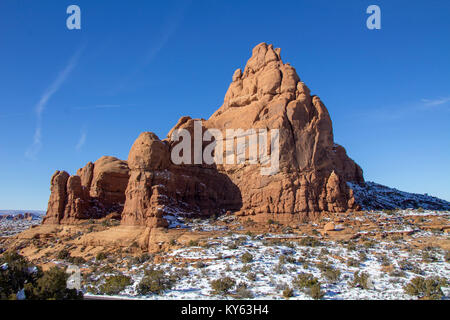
(159, 190)
(313, 169)
(96, 190)
(312, 175)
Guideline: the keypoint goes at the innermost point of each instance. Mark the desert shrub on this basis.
(310, 242)
(247, 257)
(76, 260)
(155, 281)
(370, 243)
(242, 291)
(352, 262)
(246, 268)
(115, 284)
(251, 276)
(193, 243)
(428, 256)
(51, 286)
(63, 254)
(362, 256)
(315, 292)
(427, 288)
(142, 258)
(100, 256)
(351, 246)
(279, 269)
(233, 245)
(361, 280)
(180, 273)
(199, 265)
(305, 280)
(384, 260)
(397, 273)
(222, 286)
(331, 274)
(14, 273)
(288, 293)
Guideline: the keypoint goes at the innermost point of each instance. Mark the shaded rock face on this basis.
(96, 190)
(157, 188)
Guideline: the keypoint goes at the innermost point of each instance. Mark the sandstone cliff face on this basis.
(313, 169)
(158, 190)
(268, 94)
(96, 190)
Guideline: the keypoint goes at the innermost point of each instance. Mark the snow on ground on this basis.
(266, 276)
(10, 227)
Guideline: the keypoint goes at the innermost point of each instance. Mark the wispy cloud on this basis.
(82, 140)
(36, 146)
(435, 102)
(168, 30)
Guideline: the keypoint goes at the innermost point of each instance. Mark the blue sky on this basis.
(70, 96)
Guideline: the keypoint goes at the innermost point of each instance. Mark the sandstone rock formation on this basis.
(157, 188)
(96, 190)
(313, 169)
(268, 94)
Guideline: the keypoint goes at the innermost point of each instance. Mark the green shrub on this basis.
(316, 292)
(305, 280)
(310, 242)
(247, 257)
(192, 243)
(429, 288)
(222, 286)
(331, 274)
(246, 268)
(352, 262)
(115, 284)
(288, 293)
(51, 286)
(14, 274)
(63, 254)
(100, 256)
(362, 256)
(155, 281)
(76, 260)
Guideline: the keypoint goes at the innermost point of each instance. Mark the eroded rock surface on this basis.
(96, 190)
(313, 171)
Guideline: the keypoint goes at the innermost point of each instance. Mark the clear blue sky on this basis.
(69, 97)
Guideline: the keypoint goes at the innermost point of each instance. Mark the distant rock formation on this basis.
(374, 196)
(28, 216)
(315, 174)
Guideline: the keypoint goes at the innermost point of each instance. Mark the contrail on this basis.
(46, 96)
